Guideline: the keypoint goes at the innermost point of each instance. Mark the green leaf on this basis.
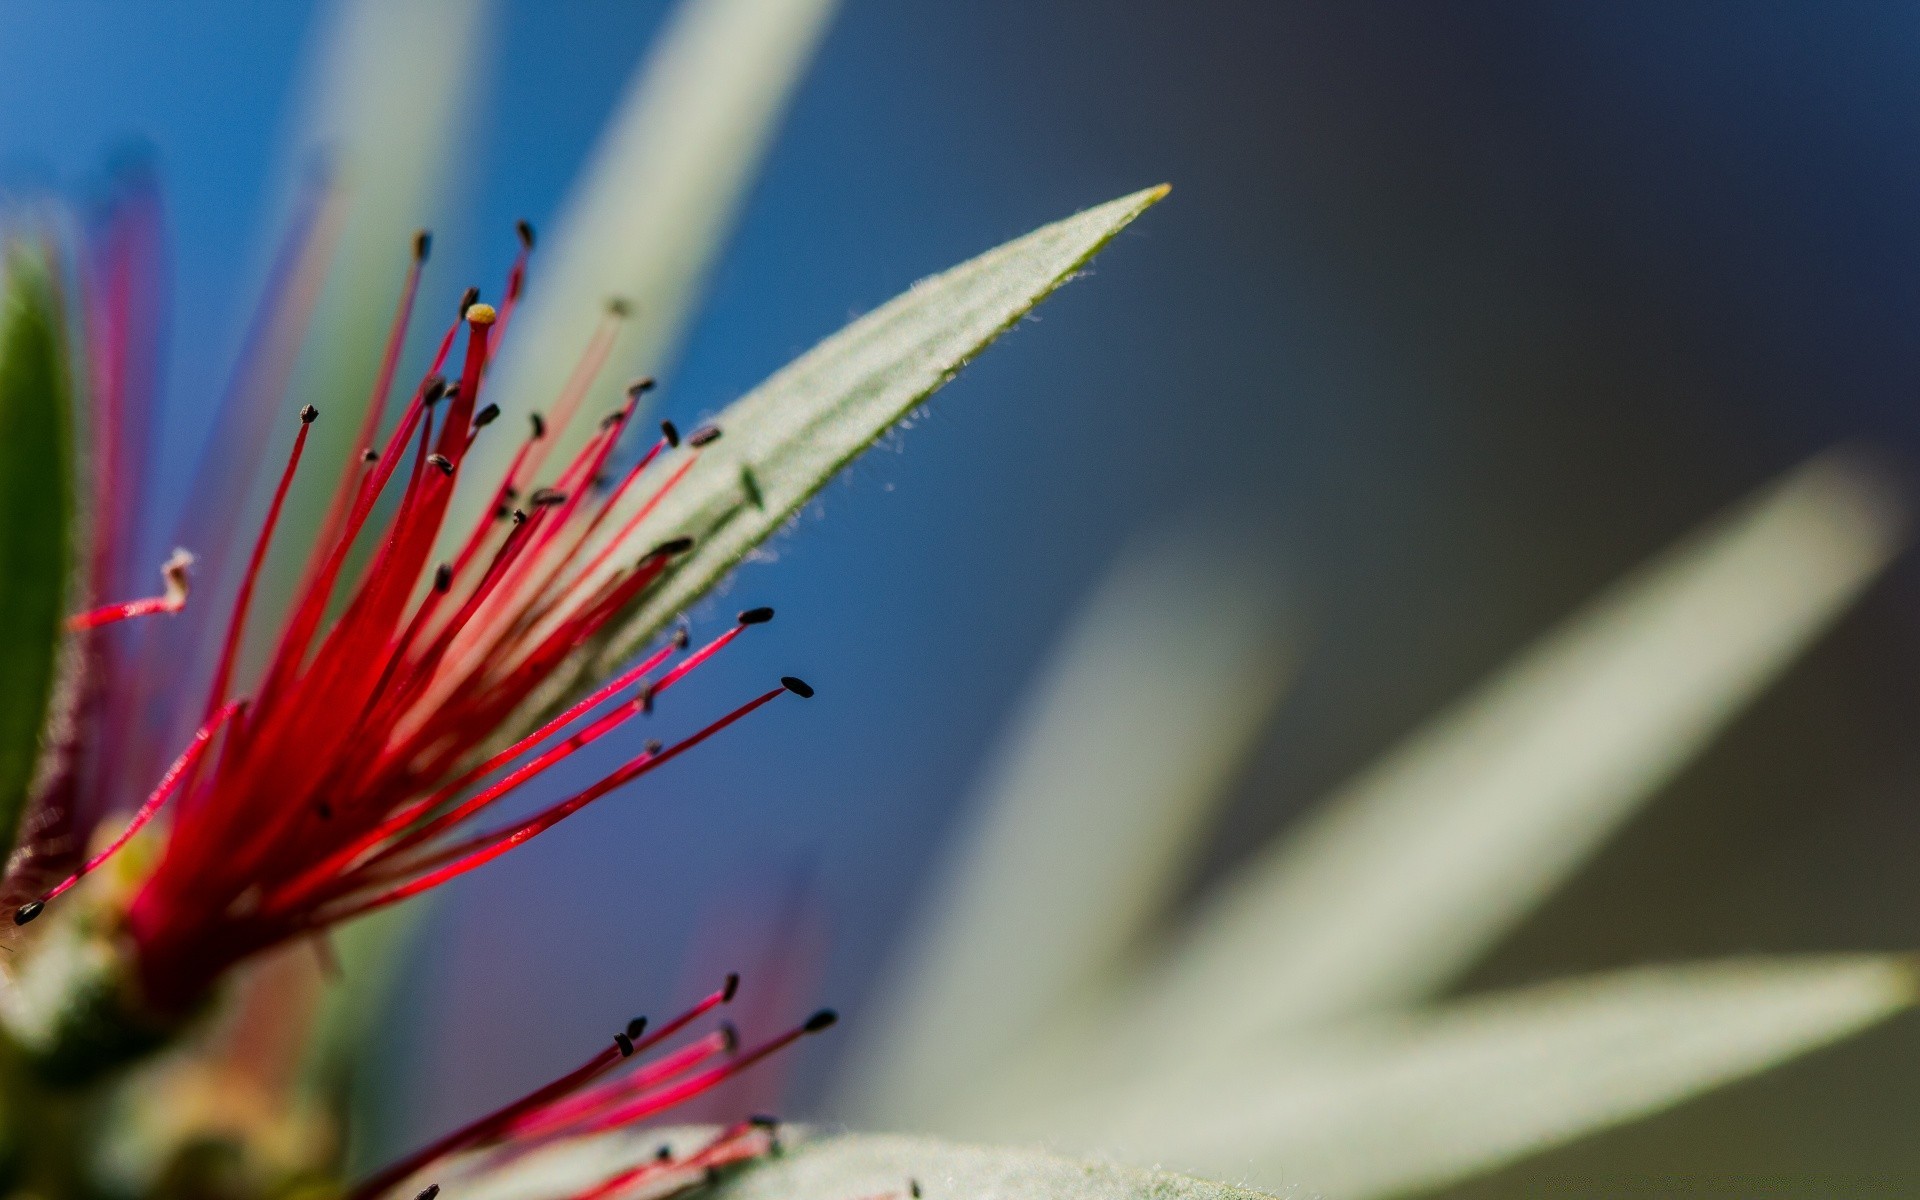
(649, 214)
(1415, 868)
(848, 1167)
(1104, 787)
(1405, 1104)
(36, 493)
(787, 437)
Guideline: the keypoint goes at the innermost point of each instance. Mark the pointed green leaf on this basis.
(1408, 1103)
(36, 538)
(649, 214)
(1101, 794)
(847, 1167)
(1417, 866)
(787, 437)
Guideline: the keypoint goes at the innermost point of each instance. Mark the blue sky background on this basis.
(1464, 308)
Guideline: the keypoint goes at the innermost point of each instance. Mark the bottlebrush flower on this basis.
(358, 770)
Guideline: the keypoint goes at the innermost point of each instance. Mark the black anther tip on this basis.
(28, 911)
(703, 436)
(618, 306)
(486, 416)
(422, 244)
(468, 299)
(729, 1036)
(519, 516)
(369, 455)
(797, 686)
(671, 432)
(682, 637)
(763, 1121)
(756, 616)
(641, 386)
(679, 545)
(440, 463)
(435, 387)
(733, 986)
(524, 228)
(646, 699)
(428, 1192)
(823, 1019)
(625, 1043)
(612, 419)
(663, 1154)
(546, 496)
(636, 1027)
(308, 414)
(442, 577)
(539, 425)
(913, 1188)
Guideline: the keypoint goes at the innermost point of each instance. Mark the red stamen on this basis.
(173, 573)
(169, 783)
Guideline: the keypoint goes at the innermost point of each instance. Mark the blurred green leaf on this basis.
(36, 494)
(649, 214)
(1407, 1103)
(1104, 787)
(787, 437)
(848, 1167)
(1415, 868)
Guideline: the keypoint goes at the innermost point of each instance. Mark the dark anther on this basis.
(519, 516)
(422, 245)
(798, 687)
(440, 463)
(640, 386)
(539, 425)
(486, 416)
(653, 747)
(431, 392)
(763, 1121)
(369, 455)
(618, 306)
(913, 1188)
(733, 986)
(756, 616)
(704, 435)
(682, 635)
(729, 1037)
(442, 577)
(511, 493)
(711, 1176)
(500, 512)
(307, 414)
(543, 497)
(823, 1019)
(468, 299)
(670, 432)
(525, 229)
(646, 699)
(663, 1154)
(27, 912)
(429, 1192)
(625, 1043)
(636, 1027)
(323, 810)
(612, 419)
(453, 390)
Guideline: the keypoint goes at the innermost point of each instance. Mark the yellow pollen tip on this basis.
(481, 314)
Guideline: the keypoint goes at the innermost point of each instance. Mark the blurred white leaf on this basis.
(1107, 780)
(648, 215)
(1408, 1103)
(848, 1167)
(1419, 865)
(787, 437)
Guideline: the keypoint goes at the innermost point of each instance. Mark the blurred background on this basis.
(1465, 308)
